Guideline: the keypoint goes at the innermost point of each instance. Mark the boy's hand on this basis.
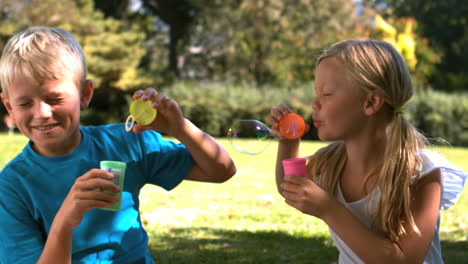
(169, 118)
(85, 194)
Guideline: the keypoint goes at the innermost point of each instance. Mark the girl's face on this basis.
(49, 115)
(338, 106)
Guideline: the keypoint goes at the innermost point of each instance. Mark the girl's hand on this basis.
(169, 118)
(276, 113)
(305, 195)
(86, 194)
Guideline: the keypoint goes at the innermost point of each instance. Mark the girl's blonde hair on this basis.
(377, 66)
(42, 54)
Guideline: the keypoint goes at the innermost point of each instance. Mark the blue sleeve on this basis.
(21, 238)
(166, 162)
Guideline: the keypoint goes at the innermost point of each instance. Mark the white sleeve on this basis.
(453, 178)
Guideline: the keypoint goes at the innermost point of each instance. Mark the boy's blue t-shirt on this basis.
(33, 187)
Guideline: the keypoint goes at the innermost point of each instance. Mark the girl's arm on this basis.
(368, 245)
(287, 149)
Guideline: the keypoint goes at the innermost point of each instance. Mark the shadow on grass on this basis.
(207, 245)
(455, 252)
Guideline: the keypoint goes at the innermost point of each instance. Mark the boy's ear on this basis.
(373, 103)
(87, 91)
(6, 103)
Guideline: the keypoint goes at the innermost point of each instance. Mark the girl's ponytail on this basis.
(395, 179)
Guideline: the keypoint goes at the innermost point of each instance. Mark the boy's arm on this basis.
(212, 162)
(84, 195)
(58, 246)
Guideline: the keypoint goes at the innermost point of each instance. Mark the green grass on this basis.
(246, 221)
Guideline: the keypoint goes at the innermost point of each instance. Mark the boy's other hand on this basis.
(169, 118)
(86, 194)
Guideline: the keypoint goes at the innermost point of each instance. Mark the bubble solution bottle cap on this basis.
(295, 166)
(291, 126)
(142, 112)
(118, 169)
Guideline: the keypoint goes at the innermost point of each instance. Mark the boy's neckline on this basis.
(77, 151)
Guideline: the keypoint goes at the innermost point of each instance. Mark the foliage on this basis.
(403, 34)
(214, 106)
(404, 41)
(444, 24)
(179, 16)
(442, 117)
(268, 41)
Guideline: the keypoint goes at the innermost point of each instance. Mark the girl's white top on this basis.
(452, 180)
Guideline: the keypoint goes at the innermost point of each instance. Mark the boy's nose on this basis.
(44, 110)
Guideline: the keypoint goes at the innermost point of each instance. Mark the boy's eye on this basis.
(24, 104)
(55, 100)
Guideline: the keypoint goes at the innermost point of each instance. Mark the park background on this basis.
(229, 60)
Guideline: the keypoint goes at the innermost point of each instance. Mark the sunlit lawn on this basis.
(245, 221)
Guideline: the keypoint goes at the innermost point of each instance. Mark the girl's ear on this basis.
(373, 103)
(87, 91)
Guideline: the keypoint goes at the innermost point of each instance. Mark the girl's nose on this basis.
(43, 110)
(315, 104)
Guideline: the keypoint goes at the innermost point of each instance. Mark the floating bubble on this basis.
(249, 136)
(142, 112)
(253, 137)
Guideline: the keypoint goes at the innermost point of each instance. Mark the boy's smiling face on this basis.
(48, 114)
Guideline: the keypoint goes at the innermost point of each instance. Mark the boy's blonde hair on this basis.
(42, 54)
(377, 66)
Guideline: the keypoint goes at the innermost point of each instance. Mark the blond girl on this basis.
(376, 186)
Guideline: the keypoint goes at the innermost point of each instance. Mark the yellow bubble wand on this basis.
(141, 112)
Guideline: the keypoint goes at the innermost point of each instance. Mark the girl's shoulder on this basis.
(452, 177)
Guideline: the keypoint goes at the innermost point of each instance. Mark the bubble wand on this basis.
(141, 112)
(291, 126)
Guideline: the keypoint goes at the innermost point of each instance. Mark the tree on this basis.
(178, 15)
(443, 23)
(119, 9)
(268, 41)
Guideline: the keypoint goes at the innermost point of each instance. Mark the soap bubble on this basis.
(249, 136)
